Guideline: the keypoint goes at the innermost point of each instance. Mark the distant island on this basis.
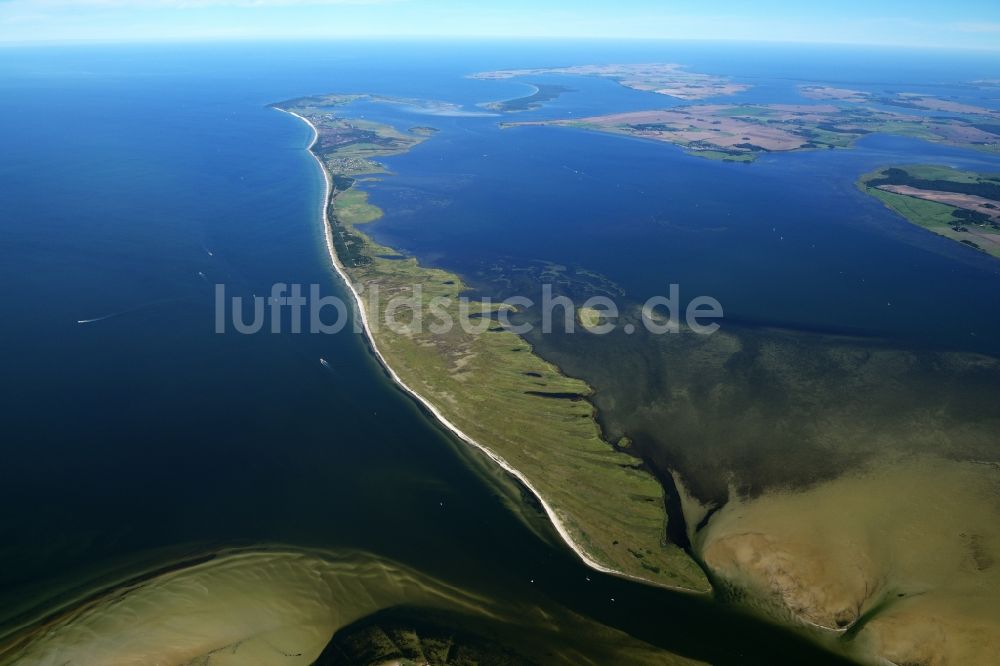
(743, 132)
(544, 92)
(961, 205)
(660, 78)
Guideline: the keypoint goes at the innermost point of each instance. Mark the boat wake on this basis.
(119, 313)
(95, 319)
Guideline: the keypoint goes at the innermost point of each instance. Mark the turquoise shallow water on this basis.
(136, 178)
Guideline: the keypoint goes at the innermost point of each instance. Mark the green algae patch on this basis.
(485, 381)
(589, 318)
(352, 207)
(723, 156)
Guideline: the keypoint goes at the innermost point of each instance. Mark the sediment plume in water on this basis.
(283, 606)
(898, 558)
(258, 607)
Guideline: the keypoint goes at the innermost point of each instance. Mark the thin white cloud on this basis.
(979, 27)
(183, 4)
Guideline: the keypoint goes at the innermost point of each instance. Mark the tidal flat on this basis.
(897, 557)
(837, 483)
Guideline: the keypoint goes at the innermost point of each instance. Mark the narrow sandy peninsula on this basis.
(488, 388)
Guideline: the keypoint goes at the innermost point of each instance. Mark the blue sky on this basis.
(961, 24)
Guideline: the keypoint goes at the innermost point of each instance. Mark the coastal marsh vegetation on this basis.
(496, 390)
(723, 156)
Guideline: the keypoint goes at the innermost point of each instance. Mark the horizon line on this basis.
(224, 38)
